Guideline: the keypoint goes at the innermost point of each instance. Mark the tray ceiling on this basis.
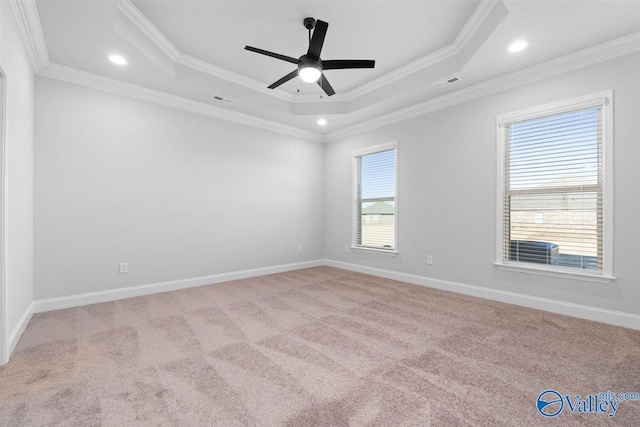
(193, 50)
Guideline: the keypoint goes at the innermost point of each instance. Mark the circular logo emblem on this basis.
(550, 403)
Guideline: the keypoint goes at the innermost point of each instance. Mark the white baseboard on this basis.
(618, 318)
(50, 304)
(15, 335)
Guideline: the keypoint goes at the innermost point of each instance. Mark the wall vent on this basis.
(222, 99)
(447, 81)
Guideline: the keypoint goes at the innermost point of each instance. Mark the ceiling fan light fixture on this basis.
(309, 73)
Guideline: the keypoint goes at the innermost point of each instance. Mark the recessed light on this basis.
(117, 59)
(322, 122)
(517, 46)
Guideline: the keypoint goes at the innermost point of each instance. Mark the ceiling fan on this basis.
(310, 66)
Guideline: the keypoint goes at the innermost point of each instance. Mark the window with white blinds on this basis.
(375, 203)
(553, 186)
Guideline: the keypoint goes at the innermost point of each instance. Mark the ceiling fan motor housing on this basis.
(304, 61)
(309, 23)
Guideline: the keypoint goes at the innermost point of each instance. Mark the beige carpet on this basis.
(320, 346)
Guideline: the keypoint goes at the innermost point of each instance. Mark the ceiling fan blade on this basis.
(341, 64)
(271, 54)
(326, 87)
(285, 79)
(317, 40)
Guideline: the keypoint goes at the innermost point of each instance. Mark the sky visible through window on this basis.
(556, 150)
(378, 175)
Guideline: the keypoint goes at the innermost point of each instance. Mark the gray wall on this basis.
(447, 190)
(178, 195)
(18, 173)
(175, 194)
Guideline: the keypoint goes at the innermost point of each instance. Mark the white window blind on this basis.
(375, 198)
(553, 189)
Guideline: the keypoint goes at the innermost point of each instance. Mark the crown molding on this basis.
(28, 22)
(137, 18)
(476, 20)
(402, 72)
(599, 53)
(72, 75)
(143, 24)
(593, 55)
(26, 15)
(470, 28)
(223, 73)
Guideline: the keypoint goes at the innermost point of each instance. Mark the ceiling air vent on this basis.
(447, 81)
(222, 99)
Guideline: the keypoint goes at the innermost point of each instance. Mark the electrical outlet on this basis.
(124, 267)
(300, 249)
(346, 249)
(429, 259)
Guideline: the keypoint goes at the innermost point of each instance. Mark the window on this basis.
(555, 187)
(374, 194)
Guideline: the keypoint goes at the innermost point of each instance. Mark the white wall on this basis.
(175, 194)
(18, 170)
(447, 190)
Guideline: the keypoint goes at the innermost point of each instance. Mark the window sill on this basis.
(565, 273)
(378, 251)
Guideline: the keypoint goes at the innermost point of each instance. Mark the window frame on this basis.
(393, 145)
(605, 100)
